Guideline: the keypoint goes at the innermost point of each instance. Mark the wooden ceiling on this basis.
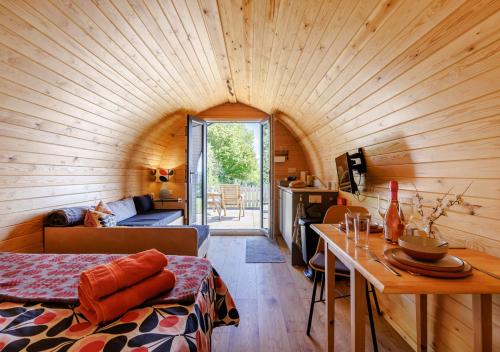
(305, 58)
(329, 65)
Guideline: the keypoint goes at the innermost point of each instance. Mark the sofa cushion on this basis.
(143, 204)
(203, 232)
(123, 209)
(152, 218)
(103, 208)
(95, 218)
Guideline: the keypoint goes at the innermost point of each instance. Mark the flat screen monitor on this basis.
(344, 172)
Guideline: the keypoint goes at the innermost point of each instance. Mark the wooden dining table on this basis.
(363, 268)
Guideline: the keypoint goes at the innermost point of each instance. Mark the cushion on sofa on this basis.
(152, 218)
(143, 204)
(95, 218)
(123, 209)
(203, 232)
(103, 208)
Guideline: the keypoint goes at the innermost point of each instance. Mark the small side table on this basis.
(169, 203)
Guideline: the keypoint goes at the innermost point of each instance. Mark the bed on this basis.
(38, 312)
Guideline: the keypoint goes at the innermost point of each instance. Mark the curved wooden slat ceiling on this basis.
(325, 64)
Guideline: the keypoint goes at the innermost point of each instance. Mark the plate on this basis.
(449, 263)
(466, 271)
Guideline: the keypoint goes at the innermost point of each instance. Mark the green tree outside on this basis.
(231, 156)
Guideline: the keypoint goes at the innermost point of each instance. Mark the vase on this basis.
(164, 192)
(432, 231)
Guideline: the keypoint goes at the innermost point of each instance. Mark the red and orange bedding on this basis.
(38, 312)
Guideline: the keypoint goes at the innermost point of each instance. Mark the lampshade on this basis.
(163, 175)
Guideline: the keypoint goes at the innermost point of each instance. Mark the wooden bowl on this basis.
(423, 248)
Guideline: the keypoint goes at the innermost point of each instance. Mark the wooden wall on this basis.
(69, 135)
(297, 161)
(232, 112)
(173, 155)
(428, 116)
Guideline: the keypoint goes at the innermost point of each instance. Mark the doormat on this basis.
(262, 250)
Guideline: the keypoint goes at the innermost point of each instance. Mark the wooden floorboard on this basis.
(273, 301)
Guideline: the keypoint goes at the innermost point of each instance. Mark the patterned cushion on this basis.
(123, 209)
(103, 208)
(95, 218)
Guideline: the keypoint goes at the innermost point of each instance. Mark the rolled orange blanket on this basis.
(117, 304)
(104, 280)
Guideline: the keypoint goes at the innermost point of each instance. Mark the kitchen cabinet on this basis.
(316, 205)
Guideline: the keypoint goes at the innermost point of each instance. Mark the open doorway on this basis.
(230, 166)
(234, 178)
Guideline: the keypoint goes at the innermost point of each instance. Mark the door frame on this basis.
(203, 123)
(269, 230)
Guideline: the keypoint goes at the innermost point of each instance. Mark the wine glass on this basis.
(407, 209)
(381, 211)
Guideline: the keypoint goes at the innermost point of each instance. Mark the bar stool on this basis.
(335, 214)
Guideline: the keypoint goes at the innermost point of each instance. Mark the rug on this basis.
(262, 250)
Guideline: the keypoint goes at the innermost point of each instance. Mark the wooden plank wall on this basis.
(297, 161)
(427, 116)
(174, 155)
(65, 139)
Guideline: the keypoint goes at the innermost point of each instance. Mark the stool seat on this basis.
(317, 262)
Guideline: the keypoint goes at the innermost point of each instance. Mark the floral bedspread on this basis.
(31, 277)
(160, 327)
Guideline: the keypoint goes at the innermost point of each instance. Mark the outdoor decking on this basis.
(251, 220)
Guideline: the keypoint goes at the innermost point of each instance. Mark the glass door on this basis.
(266, 182)
(196, 166)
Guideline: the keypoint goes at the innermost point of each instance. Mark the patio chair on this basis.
(231, 196)
(214, 201)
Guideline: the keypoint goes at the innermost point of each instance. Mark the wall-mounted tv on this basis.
(345, 174)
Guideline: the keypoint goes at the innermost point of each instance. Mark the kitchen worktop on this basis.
(307, 189)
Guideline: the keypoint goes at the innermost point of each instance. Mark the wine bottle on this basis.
(393, 221)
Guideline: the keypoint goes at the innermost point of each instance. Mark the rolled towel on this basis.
(108, 308)
(103, 280)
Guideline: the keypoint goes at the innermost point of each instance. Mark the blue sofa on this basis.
(139, 227)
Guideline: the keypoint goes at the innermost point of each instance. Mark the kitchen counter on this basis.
(315, 199)
(307, 190)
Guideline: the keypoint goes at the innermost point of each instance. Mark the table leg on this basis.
(330, 298)
(358, 305)
(421, 305)
(482, 320)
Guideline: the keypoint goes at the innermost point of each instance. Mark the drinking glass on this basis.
(407, 212)
(381, 211)
(362, 230)
(349, 223)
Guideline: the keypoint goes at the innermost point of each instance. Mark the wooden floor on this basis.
(273, 301)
